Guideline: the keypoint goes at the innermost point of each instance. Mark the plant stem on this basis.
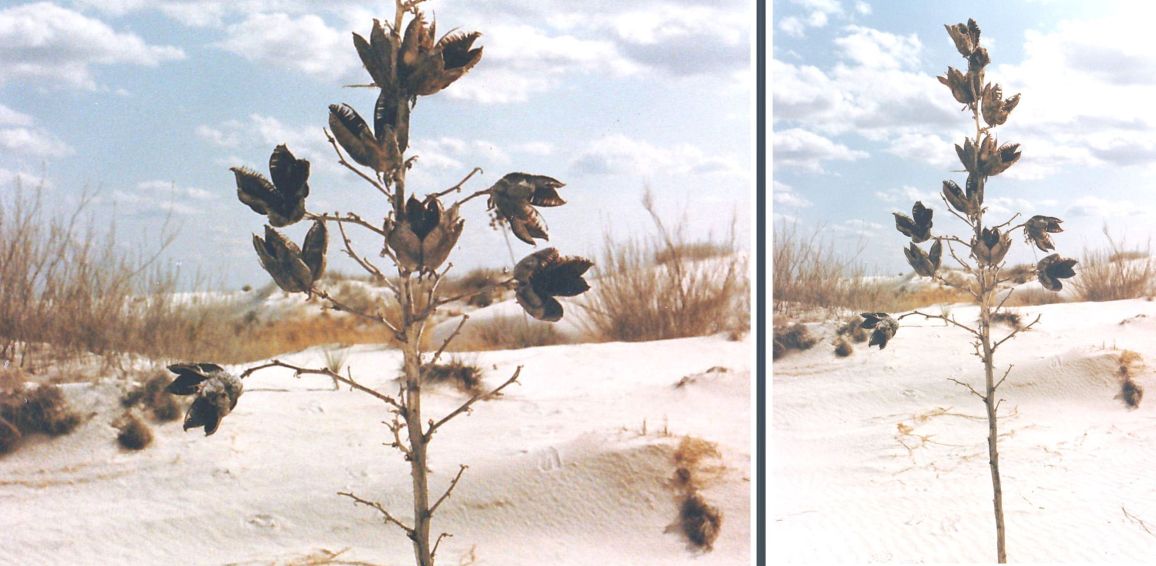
(988, 276)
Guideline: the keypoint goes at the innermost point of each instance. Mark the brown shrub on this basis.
(843, 348)
(632, 299)
(151, 395)
(1114, 273)
(701, 521)
(464, 376)
(1131, 363)
(791, 337)
(41, 409)
(133, 433)
(853, 329)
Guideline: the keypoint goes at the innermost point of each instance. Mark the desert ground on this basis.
(878, 457)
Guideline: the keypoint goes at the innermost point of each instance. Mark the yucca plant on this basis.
(404, 61)
(990, 284)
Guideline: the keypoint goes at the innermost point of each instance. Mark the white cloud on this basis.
(1097, 207)
(10, 117)
(857, 227)
(863, 8)
(876, 49)
(807, 150)
(793, 26)
(906, 196)
(305, 44)
(32, 143)
(785, 195)
(172, 189)
(46, 43)
(623, 155)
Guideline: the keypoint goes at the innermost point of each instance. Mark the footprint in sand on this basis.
(551, 461)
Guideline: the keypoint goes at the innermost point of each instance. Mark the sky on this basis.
(145, 105)
(862, 128)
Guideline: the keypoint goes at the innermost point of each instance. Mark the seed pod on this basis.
(885, 328)
(380, 152)
(965, 37)
(994, 108)
(314, 249)
(283, 199)
(216, 393)
(281, 258)
(544, 275)
(1052, 269)
(1037, 229)
(513, 198)
(957, 199)
(991, 247)
(377, 54)
(959, 84)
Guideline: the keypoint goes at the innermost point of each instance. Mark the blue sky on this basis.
(149, 102)
(861, 126)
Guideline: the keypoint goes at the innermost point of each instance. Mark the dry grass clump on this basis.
(464, 376)
(853, 329)
(843, 348)
(152, 397)
(692, 251)
(696, 460)
(506, 333)
(1033, 296)
(1131, 393)
(1115, 273)
(791, 337)
(133, 433)
(1012, 319)
(34, 410)
(634, 299)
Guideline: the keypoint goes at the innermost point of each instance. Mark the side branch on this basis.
(1014, 332)
(433, 426)
(388, 518)
(341, 159)
(453, 484)
(943, 318)
(1000, 382)
(346, 308)
(969, 388)
(325, 371)
(449, 339)
(469, 294)
(458, 187)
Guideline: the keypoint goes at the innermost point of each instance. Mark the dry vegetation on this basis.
(1115, 273)
(663, 287)
(32, 409)
(696, 462)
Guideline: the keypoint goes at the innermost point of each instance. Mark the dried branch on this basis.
(940, 317)
(350, 218)
(433, 553)
(341, 159)
(1014, 332)
(475, 292)
(457, 187)
(298, 371)
(453, 484)
(1137, 520)
(338, 305)
(433, 426)
(472, 196)
(1000, 382)
(395, 427)
(969, 388)
(409, 532)
(449, 339)
(364, 263)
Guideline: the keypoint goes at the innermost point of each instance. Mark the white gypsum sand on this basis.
(878, 457)
(560, 471)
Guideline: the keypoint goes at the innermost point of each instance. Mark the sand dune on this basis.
(878, 457)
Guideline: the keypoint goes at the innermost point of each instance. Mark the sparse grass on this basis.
(1032, 296)
(133, 433)
(701, 522)
(633, 299)
(1115, 273)
(506, 333)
